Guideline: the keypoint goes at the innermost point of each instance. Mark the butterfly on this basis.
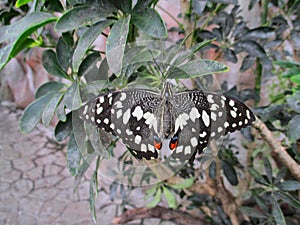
(189, 120)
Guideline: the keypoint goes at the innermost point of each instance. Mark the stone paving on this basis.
(35, 184)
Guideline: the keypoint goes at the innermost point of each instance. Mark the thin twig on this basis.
(278, 149)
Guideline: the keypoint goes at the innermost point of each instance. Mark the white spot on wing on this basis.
(210, 99)
(231, 103)
(99, 110)
(85, 109)
(205, 118)
(187, 150)
(101, 99)
(151, 148)
(194, 114)
(137, 139)
(179, 149)
(118, 104)
(194, 141)
(233, 113)
(123, 96)
(119, 113)
(112, 126)
(106, 121)
(248, 114)
(138, 112)
(143, 148)
(126, 116)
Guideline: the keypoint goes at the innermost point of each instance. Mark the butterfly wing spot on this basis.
(187, 150)
(112, 126)
(138, 112)
(123, 96)
(233, 113)
(126, 116)
(118, 105)
(248, 114)
(98, 121)
(143, 148)
(213, 116)
(87, 116)
(179, 149)
(138, 139)
(119, 113)
(231, 102)
(194, 141)
(210, 99)
(119, 131)
(151, 148)
(101, 99)
(85, 109)
(194, 114)
(203, 134)
(205, 118)
(106, 121)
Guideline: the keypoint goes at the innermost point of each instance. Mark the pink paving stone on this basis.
(51, 170)
(76, 211)
(82, 190)
(53, 207)
(44, 160)
(4, 187)
(10, 176)
(21, 219)
(34, 174)
(67, 195)
(31, 206)
(47, 182)
(22, 187)
(9, 153)
(23, 164)
(43, 151)
(44, 193)
(5, 166)
(68, 182)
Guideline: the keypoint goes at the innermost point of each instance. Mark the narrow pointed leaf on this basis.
(81, 16)
(50, 108)
(289, 185)
(268, 170)
(86, 40)
(73, 156)
(171, 199)
(16, 34)
(293, 129)
(51, 64)
(33, 113)
(155, 200)
(150, 22)
(63, 129)
(278, 214)
(252, 212)
(115, 44)
(185, 183)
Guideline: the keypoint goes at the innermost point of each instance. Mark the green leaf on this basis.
(286, 64)
(51, 64)
(150, 192)
(185, 183)
(33, 113)
(285, 196)
(252, 212)
(294, 102)
(72, 98)
(229, 172)
(20, 3)
(258, 177)
(86, 40)
(268, 170)
(293, 129)
(281, 173)
(150, 22)
(277, 214)
(86, 162)
(63, 129)
(115, 44)
(50, 108)
(172, 203)
(52, 86)
(85, 15)
(198, 68)
(64, 53)
(155, 200)
(291, 72)
(89, 64)
(73, 156)
(296, 79)
(289, 185)
(16, 34)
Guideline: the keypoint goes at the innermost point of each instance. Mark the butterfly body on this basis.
(189, 119)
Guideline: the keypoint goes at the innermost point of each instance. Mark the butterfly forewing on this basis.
(126, 114)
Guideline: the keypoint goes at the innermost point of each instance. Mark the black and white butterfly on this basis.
(143, 119)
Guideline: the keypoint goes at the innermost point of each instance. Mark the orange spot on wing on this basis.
(173, 145)
(157, 145)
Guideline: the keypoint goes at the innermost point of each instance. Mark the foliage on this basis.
(218, 27)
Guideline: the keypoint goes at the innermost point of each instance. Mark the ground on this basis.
(35, 184)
